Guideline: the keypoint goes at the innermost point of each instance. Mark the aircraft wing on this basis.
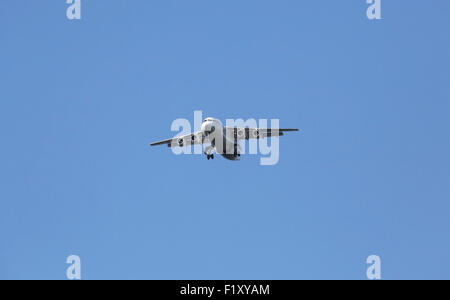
(195, 138)
(245, 133)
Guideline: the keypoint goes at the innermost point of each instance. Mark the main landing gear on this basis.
(210, 156)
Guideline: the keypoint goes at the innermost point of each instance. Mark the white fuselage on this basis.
(214, 132)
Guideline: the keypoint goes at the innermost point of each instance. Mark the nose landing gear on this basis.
(209, 152)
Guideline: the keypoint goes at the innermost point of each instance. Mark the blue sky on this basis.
(369, 173)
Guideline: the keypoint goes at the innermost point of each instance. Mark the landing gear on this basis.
(209, 152)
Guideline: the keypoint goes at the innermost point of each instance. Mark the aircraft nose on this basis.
(208, 127)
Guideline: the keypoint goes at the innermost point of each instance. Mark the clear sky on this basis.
(369, 172)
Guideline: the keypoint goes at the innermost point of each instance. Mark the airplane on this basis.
(224, 140)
